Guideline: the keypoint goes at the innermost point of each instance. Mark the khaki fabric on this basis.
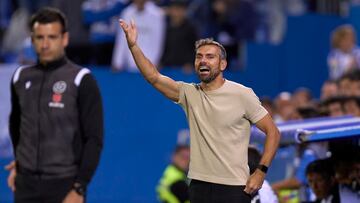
(219, 123)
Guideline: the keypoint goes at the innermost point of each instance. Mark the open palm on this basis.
(130, 32)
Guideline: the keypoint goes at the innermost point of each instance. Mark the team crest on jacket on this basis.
(58, 89)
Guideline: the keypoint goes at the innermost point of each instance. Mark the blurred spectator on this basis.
(355, 174)
(15, 35)
(231, 22)
(199, 13)
(222, 29)
(306, 153)
(309, 112)
(344, 84)
(349, 84)
(354, 86)
(245, 19)
(302, 97)
(352, 106)
(173, 186)
(329, 89)
(321, 178)
(265, 194)
(328, 7)
(343, 167)
(180, 38)
(79, 43)
(102, 16)
(344, 154)
(345, 54)
(6, 10)
(273, 18)
(285, 110)
(333, 106)
(17, 43)
(150, 21)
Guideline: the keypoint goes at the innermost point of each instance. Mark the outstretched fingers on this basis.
(124, 25)
(132, 23)
(130, 31)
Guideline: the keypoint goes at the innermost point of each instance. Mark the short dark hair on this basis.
(48, 15)
(181, 3)
(179, 148)
(323, 167)
(211, 41)
(334, 99)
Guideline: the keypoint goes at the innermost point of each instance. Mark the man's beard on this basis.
(209, 78)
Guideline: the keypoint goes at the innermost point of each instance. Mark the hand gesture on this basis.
(254, 182)
(130, 32)
(11, 167)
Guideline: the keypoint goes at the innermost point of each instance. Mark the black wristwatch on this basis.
(262, 168)
(79, 188)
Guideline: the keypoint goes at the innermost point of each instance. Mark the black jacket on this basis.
(56, 121)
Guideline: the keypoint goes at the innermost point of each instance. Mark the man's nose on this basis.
(203, 61)
(45, 44)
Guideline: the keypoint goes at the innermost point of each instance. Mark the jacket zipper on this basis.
(39, 124)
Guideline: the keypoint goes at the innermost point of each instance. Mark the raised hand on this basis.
(130, 32)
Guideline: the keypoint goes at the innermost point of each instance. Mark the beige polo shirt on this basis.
(219, 123)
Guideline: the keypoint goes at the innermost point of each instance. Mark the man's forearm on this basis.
(147, 69)
(271, 145)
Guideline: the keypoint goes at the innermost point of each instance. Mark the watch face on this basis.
(263, 168)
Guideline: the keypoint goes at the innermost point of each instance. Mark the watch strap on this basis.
(79, 188)
(262, 168)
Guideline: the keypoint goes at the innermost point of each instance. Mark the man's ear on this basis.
(65, 39)
(223, 64)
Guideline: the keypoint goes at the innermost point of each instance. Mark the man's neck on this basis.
(53, 64)
(213, 85)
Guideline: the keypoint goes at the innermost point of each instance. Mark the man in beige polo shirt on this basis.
(220, 113)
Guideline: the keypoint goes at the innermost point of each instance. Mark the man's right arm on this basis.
(164, 84)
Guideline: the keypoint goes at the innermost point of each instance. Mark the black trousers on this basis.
(31, 189)
(205, 192)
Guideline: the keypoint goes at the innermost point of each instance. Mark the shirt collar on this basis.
(53, 64)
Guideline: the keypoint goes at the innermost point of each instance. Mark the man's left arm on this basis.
(267, 125)
(92, 128)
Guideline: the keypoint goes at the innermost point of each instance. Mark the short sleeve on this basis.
(254, 111)
(182, 95)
